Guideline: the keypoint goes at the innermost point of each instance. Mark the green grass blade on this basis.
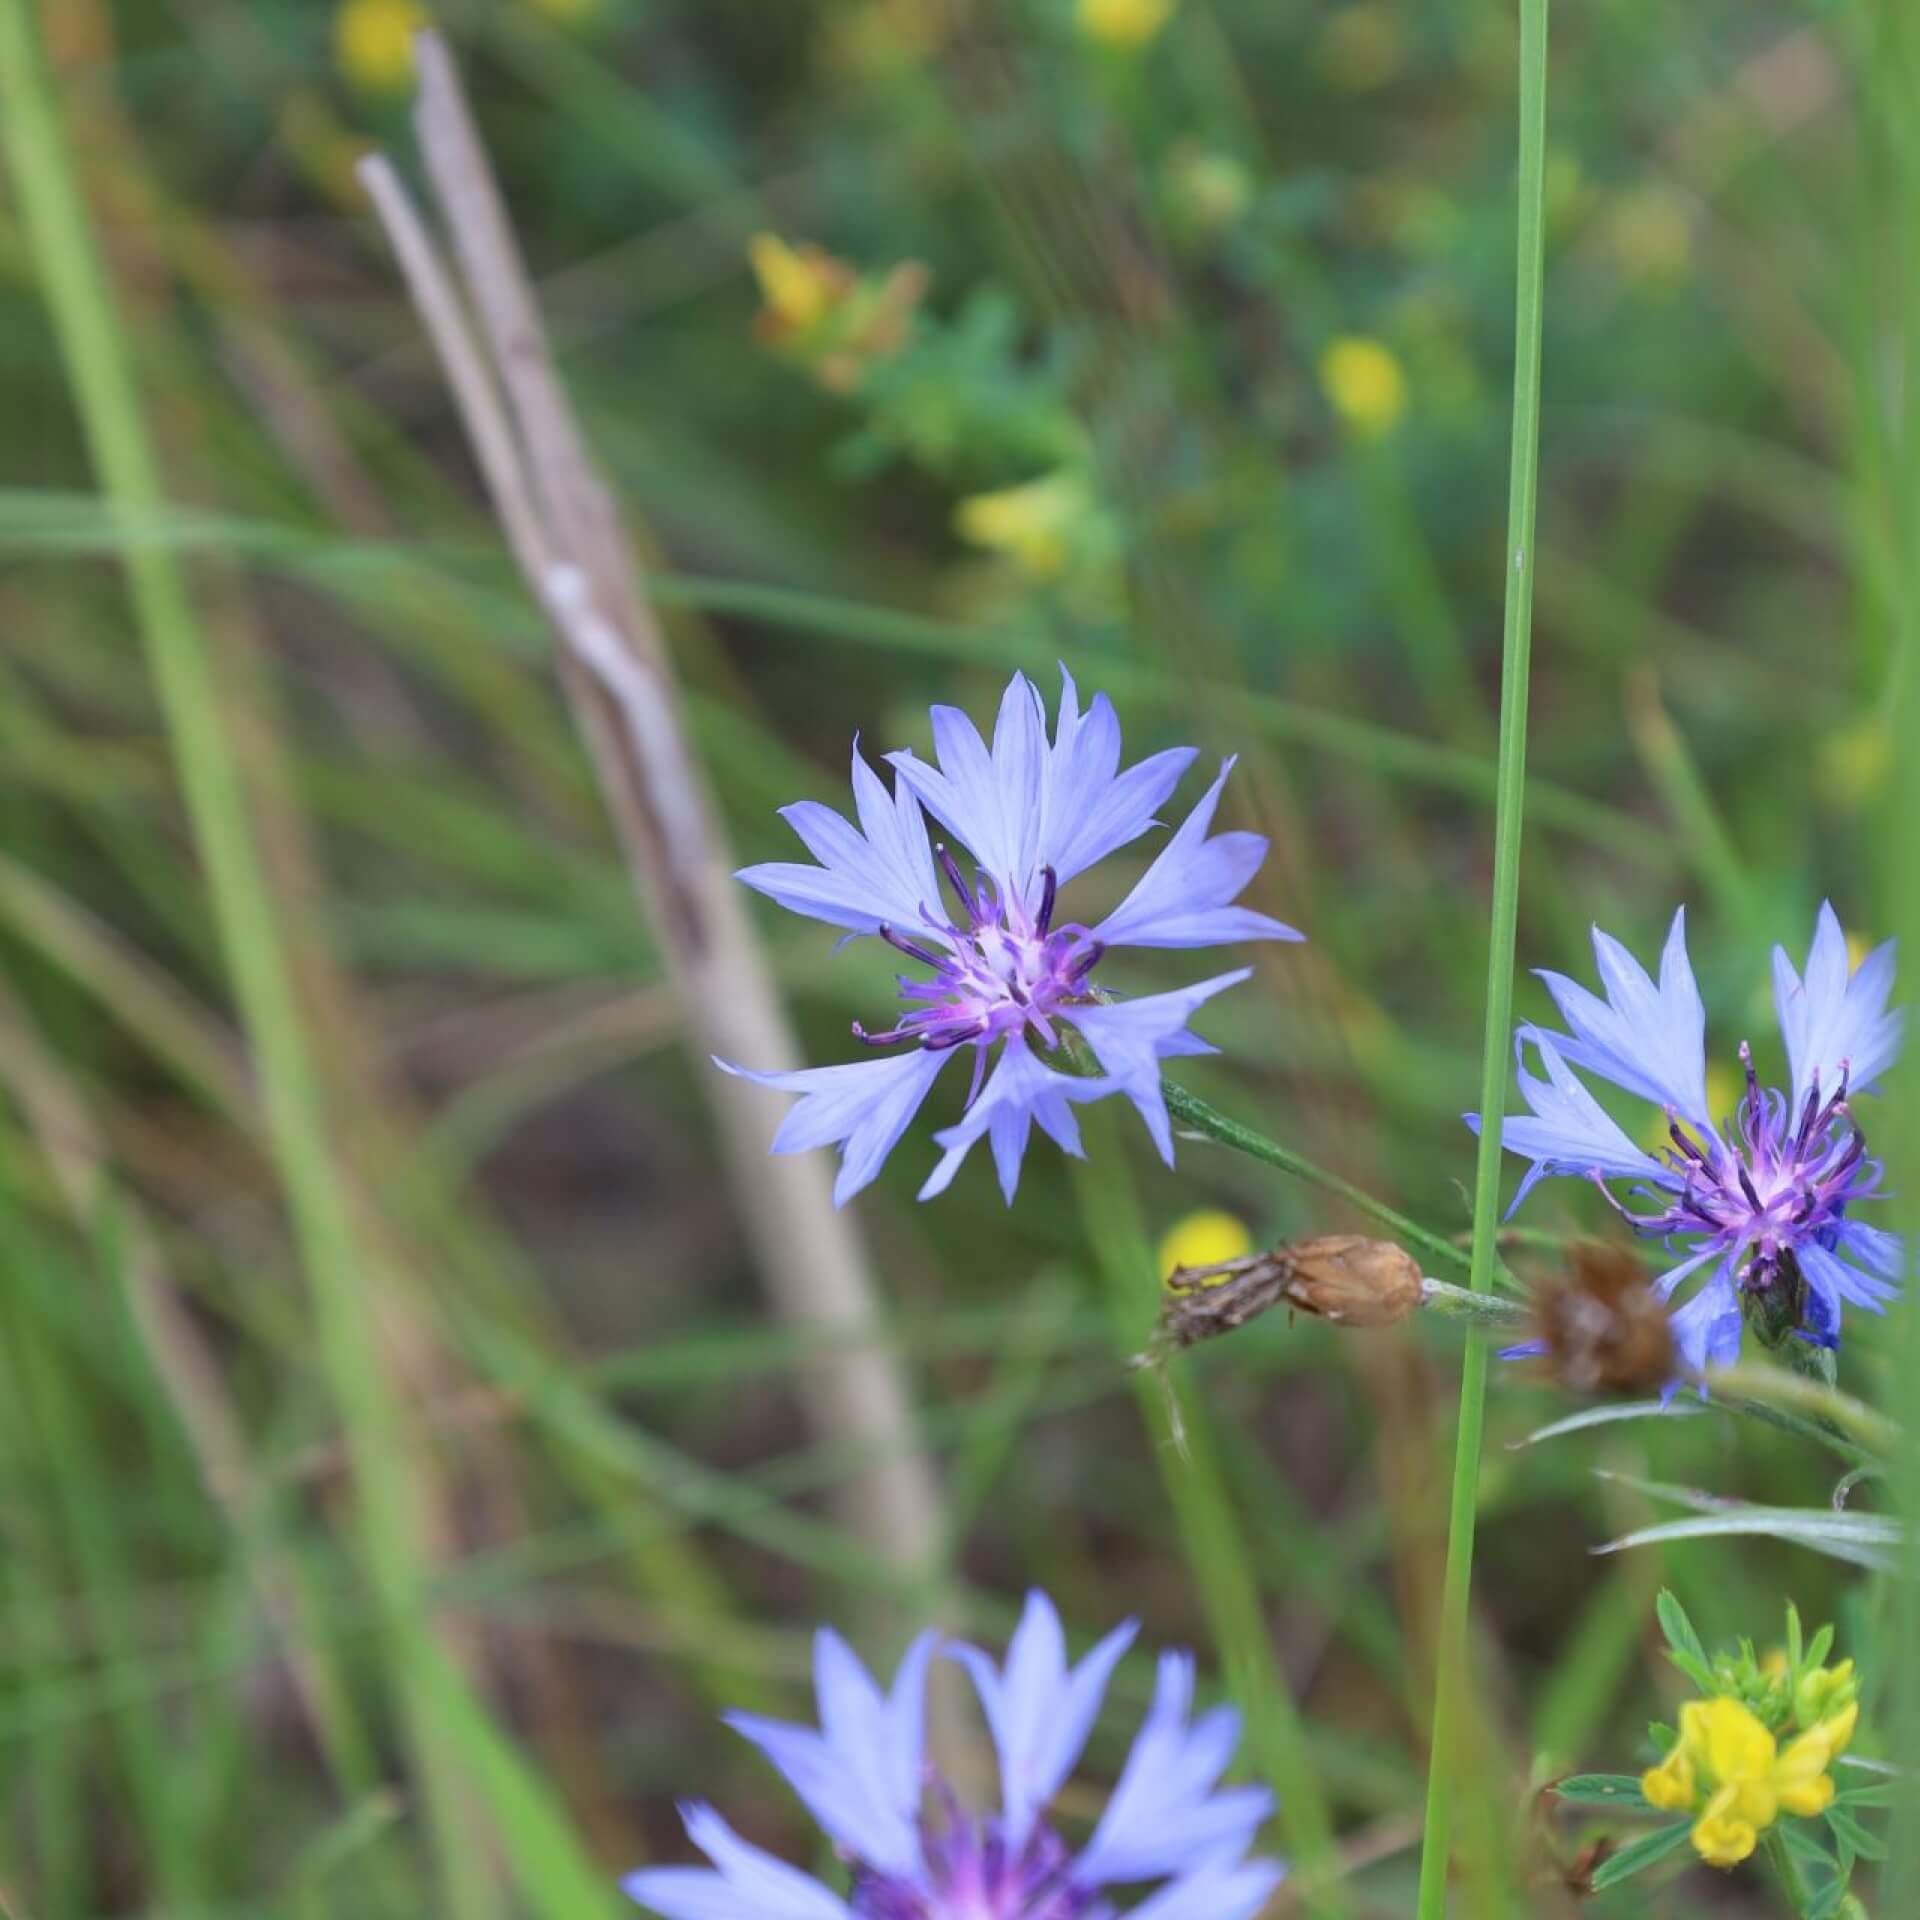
(1454, 1680)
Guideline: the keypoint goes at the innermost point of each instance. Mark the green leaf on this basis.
(1851, 1834)
(1799, 1841)
(1825, 1903)
(1686, 1651)
(1601, 1790)
(1647, 1851)
(1876, 1796)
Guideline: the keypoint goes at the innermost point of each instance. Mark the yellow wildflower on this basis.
(798, 285)
(373, 42)
(1366, 384)
(1361, 47)
(1725, 1751)
(1032, 524)
(1826, 1692)
(1208, 1238)
(1126, 24)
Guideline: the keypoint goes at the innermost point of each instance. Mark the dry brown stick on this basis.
(566, 533)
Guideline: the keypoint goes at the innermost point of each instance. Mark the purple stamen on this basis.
(957, 881)
(1044, 919)
(911, 948)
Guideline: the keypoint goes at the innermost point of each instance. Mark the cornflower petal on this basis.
(1568, 1131)
(749, 1885)
(878, 873)
(1706, 1331)
(988, 800)
(1132, 1037)
(859, 1776)
(1836, 1017)
(1883, 1252)
(1018, 1092)
(1164, 1811)
(1038, 1711)
(1650, 1040)
(1184, 898)
(1839, 1281)
(1221, 1890)
(861, 1106)
(1091, 809)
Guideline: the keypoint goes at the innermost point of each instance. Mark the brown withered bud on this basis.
(1604, 1328)
(1357, 1282)
(1340, 1277)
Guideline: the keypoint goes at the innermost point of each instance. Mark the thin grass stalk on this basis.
(569, 541)
(1211, 1536)
(1891, 510)
(74, 281)
(1452, 1680)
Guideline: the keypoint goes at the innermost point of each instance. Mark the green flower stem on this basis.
(1453, 1683)
(1793, 1882)
(1279, 1742)
(1478, 1309)
(1195, 1114)
(1756, 1386)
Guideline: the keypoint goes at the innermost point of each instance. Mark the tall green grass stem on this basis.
(1889, 509)
(1211, 1535)
(1452, 1680)
(80, 298)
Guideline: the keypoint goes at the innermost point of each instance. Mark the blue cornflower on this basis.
(1002, 964)
(1765, 1196)
(916, 1854)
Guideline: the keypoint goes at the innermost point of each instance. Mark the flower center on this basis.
(972, 1876)
(999, 965)
(1779, 1184)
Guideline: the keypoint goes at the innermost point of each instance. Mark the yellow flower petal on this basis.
(1671, 1785)
(1801, 1777)
(1126, 24)
(373, 42)
(1031, 524)
(1720, 1836)
(1738, 1749)
(1204, 1239)
(794, 281)
(1366, 384)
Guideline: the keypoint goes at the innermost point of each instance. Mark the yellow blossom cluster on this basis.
(1728, 1770)
(1125, 24)
(818, 311)
(1366, 383)
(1207, 1238)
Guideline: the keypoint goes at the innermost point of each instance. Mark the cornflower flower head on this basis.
(1003, 965)
(1765, 1198)
(915, 1853)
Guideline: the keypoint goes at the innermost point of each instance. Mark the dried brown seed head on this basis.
(1604, 1328)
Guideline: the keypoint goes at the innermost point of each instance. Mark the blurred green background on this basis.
(921, 339)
